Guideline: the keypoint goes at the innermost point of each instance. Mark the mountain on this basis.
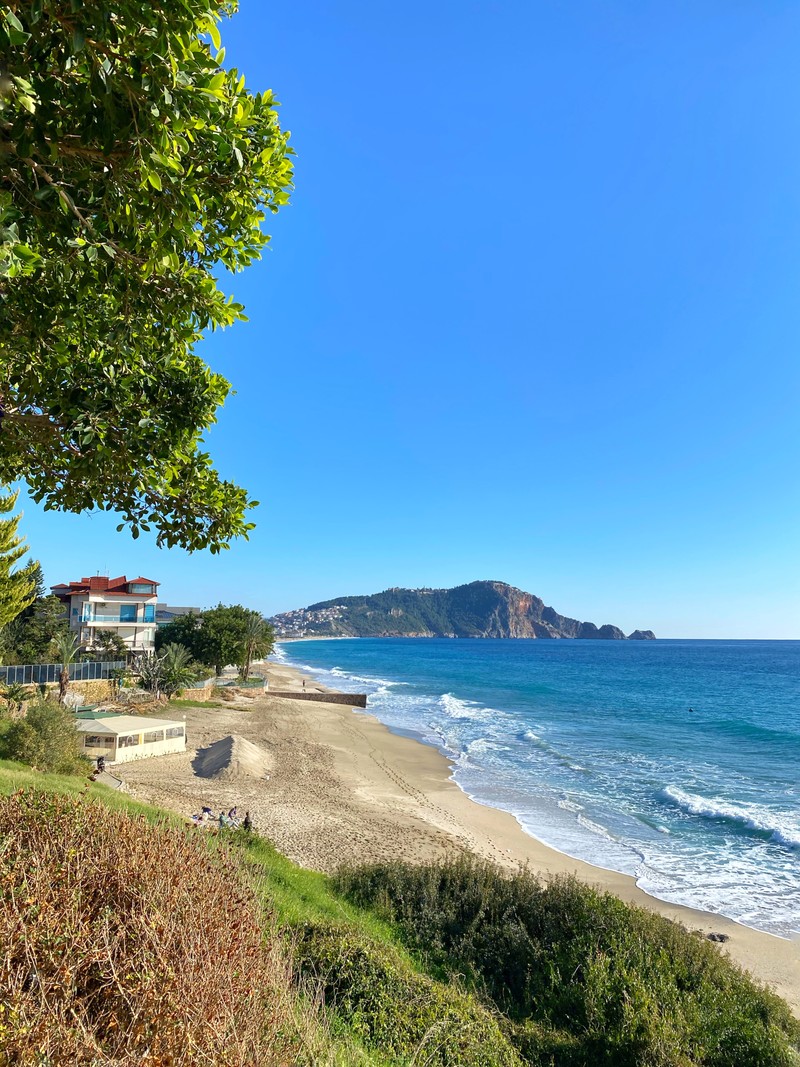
(479, 609)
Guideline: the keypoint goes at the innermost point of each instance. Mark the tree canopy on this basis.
(224, 635)
(133, 165)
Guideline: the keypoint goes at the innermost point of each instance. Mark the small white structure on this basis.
(122, 738)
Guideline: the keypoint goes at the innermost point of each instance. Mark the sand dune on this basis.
(233, 757)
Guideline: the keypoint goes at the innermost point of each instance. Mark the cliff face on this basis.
(479, 609)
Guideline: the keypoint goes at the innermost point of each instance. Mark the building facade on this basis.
(126, 608)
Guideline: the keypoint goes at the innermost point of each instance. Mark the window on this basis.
(153, 735)
(97, 740)
(141, 587)
(174, 731)
(127, 741)
(149, 613)
(127, 613)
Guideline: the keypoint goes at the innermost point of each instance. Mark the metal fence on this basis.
(40, 673)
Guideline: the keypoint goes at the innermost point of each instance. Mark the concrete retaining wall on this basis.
(352, 700)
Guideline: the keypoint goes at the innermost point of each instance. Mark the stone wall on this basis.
(92, 692)
(199, 696)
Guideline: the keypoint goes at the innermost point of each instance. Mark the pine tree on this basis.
(17, 584)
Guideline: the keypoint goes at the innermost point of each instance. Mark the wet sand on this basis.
(342, 788)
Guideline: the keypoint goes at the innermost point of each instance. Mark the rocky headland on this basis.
(478, 609)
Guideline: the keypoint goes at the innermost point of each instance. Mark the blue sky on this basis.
(532, 315)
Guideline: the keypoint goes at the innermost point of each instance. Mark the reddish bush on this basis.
(127, 943)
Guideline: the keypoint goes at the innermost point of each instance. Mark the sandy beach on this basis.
(331, 786)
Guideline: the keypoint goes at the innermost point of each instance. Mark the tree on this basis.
(183, 630)
(259, 641)
(66, 647)
(224, 635)
(15, 694)
(177, 669)
(133, 166)
(110, 645)
(17, 584)
(30, 636)
(166, 672)
(220, 636)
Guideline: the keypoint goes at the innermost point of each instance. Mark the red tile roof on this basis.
(101, 584)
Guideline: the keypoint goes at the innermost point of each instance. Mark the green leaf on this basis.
(154, 179)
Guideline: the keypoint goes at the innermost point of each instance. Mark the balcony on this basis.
(119, 620)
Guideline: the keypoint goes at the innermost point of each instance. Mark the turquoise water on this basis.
(593, 747)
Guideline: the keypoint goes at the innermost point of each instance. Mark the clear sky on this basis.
(533, 315)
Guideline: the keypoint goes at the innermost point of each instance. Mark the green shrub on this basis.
(46, 739)
(614, 984)
(387, 1006)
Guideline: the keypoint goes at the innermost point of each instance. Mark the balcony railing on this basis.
(120, 620)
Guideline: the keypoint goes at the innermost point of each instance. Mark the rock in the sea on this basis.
(642, 635)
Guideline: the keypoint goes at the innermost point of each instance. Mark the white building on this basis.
(122, 738)
(126, 608)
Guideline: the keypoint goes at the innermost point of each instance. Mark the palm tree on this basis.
(14, 695)
(176, 668)
(165, 672)
(66, 648)
(258, 641)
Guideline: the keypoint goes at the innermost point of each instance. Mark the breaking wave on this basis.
(748, 816)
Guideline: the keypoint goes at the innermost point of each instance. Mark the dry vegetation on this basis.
(126, 943)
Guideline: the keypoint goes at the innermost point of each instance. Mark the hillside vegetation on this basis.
(127, 938)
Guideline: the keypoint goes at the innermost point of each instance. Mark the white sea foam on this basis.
(463, 709)
(481, 745)
(753, 817)
(337, 672)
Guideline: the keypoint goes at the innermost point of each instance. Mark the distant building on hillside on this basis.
(166, 613)
(126, 608)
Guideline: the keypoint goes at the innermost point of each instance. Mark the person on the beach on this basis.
(304, 683)
(232, 812)
(248, 822)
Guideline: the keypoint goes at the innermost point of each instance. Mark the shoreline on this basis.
(345, 788)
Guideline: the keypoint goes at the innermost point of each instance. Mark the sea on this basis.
(675, 762)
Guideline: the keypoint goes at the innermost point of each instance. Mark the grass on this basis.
(199, 705)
